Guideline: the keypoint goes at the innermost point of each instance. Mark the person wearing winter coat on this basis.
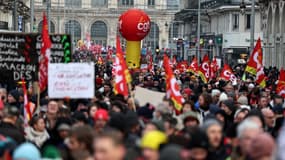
(36, 132)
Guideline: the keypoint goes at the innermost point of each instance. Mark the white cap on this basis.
(251, 85)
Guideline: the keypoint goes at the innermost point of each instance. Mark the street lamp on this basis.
(252, 21)
(242, 7)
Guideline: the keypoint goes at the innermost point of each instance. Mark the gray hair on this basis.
(245, 125)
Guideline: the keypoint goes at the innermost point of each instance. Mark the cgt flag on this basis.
(204, 70)
(213, 68)
(227, 74)
(255, 59)
(280, 89)
(121, 73)
(193, 68)
(45, 54)
(255, 66)
(172, 86)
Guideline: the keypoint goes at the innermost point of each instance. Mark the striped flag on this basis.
(121, 73)
(45, 54)
(29, 107)
(172, 86)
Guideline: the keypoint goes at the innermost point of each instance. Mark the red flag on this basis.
(194, 68)
(204, 70)
(173, 62)
(121, 72)
(172, 86)
(45, 53)
(213, 68)
(150, 64)
(260, 76)
(109, 54)
(182, 66)
(100, 60)
(255, 59)
(227, 74)
(280, 89)
(28, 106)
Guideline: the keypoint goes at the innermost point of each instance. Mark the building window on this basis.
(152, 39)
(173, 31)
(98, 3)
(247, 21)
(99, 33)
(235, 20)
(73, 3)
(73, 28)
(52, 27)
(126, 2)
(172, 4)
(151, 3)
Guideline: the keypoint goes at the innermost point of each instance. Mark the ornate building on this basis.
(99, 18)
(225, 30)
(274, 32)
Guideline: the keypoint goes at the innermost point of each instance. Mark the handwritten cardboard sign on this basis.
(144, 96)
(19, 54)
(73, 80)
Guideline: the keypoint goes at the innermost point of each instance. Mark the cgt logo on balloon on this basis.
(144, 26)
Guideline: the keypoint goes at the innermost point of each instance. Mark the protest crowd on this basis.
(206, 113)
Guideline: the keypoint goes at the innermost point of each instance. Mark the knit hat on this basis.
(261, 145)
(230, 104)
(215, 92)
(51, 152)
(153, 140)
(117, 121)
(223, 97)
(242, 100)
(146, 111)
(210, 122)
(198, 139)
(171, 152)
(251, 85)
(162, 108)
(101, 114)
(14, 93)
(27, 151)
(158, 124)
(190, 115)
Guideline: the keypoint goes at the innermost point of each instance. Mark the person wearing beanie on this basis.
(215, 96)
(198, 144)
(214, 130)
(50, 152)
(154, 125)
(171, 152)
(101, 118)
(151, 143)
(229, 107)
(8, 126)
(262, 147)
(26, 151)
(13, 98)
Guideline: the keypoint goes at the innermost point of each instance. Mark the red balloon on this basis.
(134, 24)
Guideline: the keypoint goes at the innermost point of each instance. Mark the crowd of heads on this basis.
(218, 121)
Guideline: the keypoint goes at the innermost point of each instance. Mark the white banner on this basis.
(144, 96)
(73, 80)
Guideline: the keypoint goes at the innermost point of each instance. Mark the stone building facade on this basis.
(274, 32)
(99, 18)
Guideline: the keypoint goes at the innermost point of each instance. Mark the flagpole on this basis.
(38, 99)
(132, 97)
